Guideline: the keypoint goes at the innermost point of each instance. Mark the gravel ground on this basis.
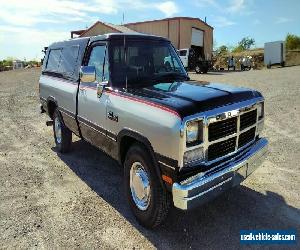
(48, 200)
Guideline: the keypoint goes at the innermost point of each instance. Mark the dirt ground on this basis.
(49, 200)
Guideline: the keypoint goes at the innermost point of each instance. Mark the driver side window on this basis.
(97, 59)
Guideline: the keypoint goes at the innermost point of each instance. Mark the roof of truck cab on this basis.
(118, 36)
(109, 36)
(75, 41)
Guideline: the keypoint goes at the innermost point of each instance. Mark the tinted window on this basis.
(97, 59)
(68, 62)
(54, 60)
(63, 60)
(145, 62)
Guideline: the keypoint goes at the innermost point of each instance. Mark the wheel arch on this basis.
(126, 138)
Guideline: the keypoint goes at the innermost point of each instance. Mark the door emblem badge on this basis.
(111, 116)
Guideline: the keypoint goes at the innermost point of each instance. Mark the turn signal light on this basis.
(167, 179)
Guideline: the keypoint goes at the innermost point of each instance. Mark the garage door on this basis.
(197, 37)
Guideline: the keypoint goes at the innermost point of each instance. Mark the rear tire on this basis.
(62, 135)
(148, 199)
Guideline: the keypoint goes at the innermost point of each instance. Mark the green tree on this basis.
(292, 41)
(222, 50)
(237, 49)
(7, 62)
(244, 44)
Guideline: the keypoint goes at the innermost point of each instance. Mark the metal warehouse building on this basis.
(183, 32)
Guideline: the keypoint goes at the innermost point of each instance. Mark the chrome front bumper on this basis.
(203, 187)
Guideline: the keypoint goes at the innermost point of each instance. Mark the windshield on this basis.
(182, 52)
(143, 62)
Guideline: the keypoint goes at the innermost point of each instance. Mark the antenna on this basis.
(125, 59)
(123, 20)
(205, 19)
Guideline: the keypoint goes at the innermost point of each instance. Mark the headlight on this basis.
(194, 131)
(260, 110)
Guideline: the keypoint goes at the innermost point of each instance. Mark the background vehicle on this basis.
(178, 141)
(193, 59)
(246, 63)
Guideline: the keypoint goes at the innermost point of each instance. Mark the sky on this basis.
(26, 26)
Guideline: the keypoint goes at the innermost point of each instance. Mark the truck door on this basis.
(91, 108)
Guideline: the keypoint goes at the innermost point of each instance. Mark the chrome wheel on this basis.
(57, 129)
(197, 69)
(140, 186)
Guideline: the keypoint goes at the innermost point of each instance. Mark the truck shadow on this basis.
(214, 225)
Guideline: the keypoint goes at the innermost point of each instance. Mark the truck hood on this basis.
(190, 97)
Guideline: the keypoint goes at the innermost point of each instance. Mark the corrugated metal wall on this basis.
(186, 35)
(169, 28)
(159, 28)
(180, 37)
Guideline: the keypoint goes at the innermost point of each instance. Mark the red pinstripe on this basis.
(145, 102)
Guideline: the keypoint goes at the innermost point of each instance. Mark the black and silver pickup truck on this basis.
(179, 141)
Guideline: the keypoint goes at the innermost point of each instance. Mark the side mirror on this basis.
(87, 74)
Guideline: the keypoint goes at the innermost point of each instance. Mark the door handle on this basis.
(81, 89)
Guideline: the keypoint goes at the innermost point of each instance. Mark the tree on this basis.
(244, 44)
(292, 41)
(222, 50)
(7, 63)
(237, 49)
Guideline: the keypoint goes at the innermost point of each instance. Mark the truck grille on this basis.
(221, 129)
(239, 138)
(220, 149)
(246, 137)
(248, 119)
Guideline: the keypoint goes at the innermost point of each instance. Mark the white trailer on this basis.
(274, 53)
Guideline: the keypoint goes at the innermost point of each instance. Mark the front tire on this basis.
(62, 135)
(148, 199)
(198, 69)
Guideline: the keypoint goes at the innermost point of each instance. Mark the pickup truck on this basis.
(180, 142)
